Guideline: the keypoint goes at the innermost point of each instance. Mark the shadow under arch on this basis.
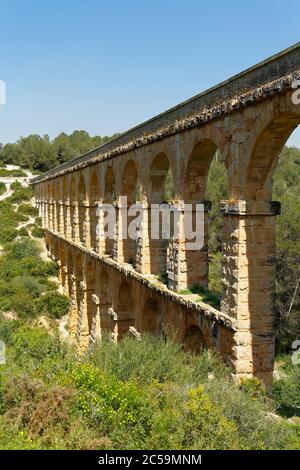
(90, 304)
(204, 169)
(124, 309)
(66, 203)
(72, 199)
(79, 292)
(109, 198)
(70, 274)
(161, 191)
(104, 294)
(94, 197)
(129, 189)
(152, 317)
(193, 340)
(81, 207)
(58, 197)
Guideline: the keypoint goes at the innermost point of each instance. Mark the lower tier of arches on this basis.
(106, 297)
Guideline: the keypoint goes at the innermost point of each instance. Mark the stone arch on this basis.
(197, 170)
(249, 274)
(63, 267)
(109, 198)
(79, 293)
(129, 182)
(49, 206)
(204, 161)
(124, 309)
(58, 207)
(70, 274)
(193, 339)
(66, 208)
(55, 249)
(90, 275)
(107, 323)
(152, 317)
(81, 207)
(129, 189)
(264, 159)
(54, 203)
(94, 197)
(160, 175)
(73, 215)
(110, 185)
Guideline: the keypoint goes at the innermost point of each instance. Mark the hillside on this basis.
(151, 391)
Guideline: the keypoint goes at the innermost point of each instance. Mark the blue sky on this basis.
(107, 65)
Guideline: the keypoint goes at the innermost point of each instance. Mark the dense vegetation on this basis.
(147, 394)
(40, 153)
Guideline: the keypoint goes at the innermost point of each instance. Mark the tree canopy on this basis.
(40, 153)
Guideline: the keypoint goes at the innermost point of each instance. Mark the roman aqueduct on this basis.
(113, 283)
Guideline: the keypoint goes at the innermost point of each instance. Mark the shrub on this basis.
(286, 392)
(24, 249)
(154, 358)
(205, 426)
(37, 232)
(38, 221)
(53, 304)
(106, 401)
(28, 209)
(20, 193)
(256, 429)
(8, 235)
(23, 232)
(35, 343)
(253, 387)
(30, 285)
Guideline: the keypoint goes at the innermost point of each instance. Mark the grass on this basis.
(204, 295)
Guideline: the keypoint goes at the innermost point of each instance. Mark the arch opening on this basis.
(124, 310)
(81, 209)
(206, 183)
(94, 197)
(107, 324)
(161, 192)
(273, 174)
(152, 317)
(193, 340)
(130, 190)
(109, 198)
(72, 197)
(91, 305)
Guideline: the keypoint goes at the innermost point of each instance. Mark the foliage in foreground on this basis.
(144, 395)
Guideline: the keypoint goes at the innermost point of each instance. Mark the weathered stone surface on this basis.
(248, 119)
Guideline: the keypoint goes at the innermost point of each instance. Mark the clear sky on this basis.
(107, 65)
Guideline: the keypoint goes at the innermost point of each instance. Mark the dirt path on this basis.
(30, 221)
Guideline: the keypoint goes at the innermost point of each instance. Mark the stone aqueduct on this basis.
(248, 118)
